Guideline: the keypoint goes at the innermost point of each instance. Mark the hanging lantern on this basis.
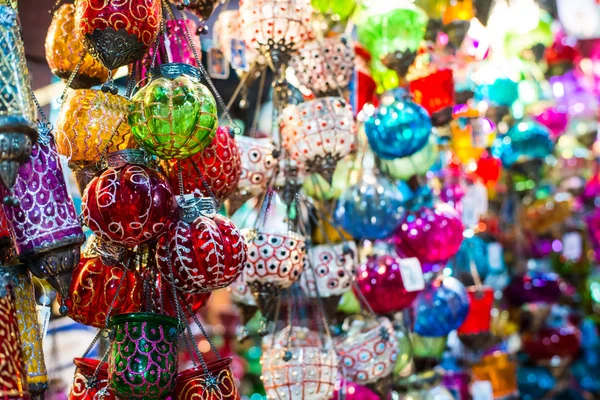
(337, 10)
(258, 163)
(470, 138)
(435, 91)
(275, 27)
(43, 223)
(525, 141)
(319, 133)
(417, 164)
(97, 288)
(433, 235)
(118, 33)
(488, 169)
(173, 47)
(219, 165)
(370, 353)
(143, 358)
(202, 251)
(91, 123)
(29, 330)
(554, 346)
(428, 347)
(227, 29)
(500, 370)
(442, 307)
(195, 383)
(381, 281)
(305, 366)
(398, 128)
(7, 252)
(64, 51)
(84, 388)
(129, 203)
(325, 67)
(174, 116)
(351, 391)
(12, 367)
(555, 119)
(475, 330)
(200, 8)
(17, 113)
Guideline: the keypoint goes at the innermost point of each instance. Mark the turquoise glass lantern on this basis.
(398, 128)
(525, 141)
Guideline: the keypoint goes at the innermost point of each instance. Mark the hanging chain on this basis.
(63, 95)
(197, 321)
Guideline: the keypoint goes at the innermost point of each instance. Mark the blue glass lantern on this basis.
(500, 92)
(371, 209)
(534, 382)
(441, 308)
(523, 142)
(488, 257)
(398, 128)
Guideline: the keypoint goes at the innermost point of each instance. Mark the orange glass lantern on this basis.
(92, 123)
(458, 10)
(64, 50)
(500, 370)
(470, 137)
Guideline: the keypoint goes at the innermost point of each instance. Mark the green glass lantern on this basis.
(143, 357)
(338, 9)
(174, 116)
(417, 164)
(428, 347)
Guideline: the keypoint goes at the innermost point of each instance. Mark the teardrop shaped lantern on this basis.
(64, 51)
(318, 133)
(174, 116)
(118, 32)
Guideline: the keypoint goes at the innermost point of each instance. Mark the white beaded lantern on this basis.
(369, 352)
(241, 293)
(318, 133)
(227, 27)
(324, 67)
(275, 27)
(258, 163)
(331, 270)
(298, 366)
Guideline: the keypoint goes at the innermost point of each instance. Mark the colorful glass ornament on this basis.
(555, 119)
(479, 317)
(324, 67)
(118, 33)
(461, 10)
(381, 280)
(318, 133)
(311, 370)
(428, 347)
(44, 225)
(417, 164)
(275, 27)
(129, 203)
(500, 370)
(64, 51)
(569, 92)
(442, 307)
(337, 10)
(523, 142)
(352, 391)
(174, 116)
(435, 91)
(258, 163)
(83, 387)
(97, 288)
(433, 235)
(534, 287)
(219, 165)
(369, 351)
(488, 168)
(398, 128)
(471, 138)
(143, 358)
(200, 8)
(29, 330)
(370, 209)
(552, 344)
(195, 383)
(17, 113)
(201, 253)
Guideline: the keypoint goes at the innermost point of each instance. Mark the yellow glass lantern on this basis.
(500, 370)
(92, 123)
(471, 137)
(64, 50)
(542, 214)
(327, 233)
(458, 10)
(433, 8)
(29, 330)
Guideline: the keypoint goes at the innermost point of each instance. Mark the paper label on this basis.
(43, 313)
(495, 255)
(412, 274)
(238, 55)
(572, 246)
(218, 67)
(482, 390)
(474, 204)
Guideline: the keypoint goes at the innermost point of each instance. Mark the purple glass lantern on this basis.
(42, 219)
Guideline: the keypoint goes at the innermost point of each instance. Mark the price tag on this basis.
(412, 274)
(482, 390)
(572, 246)
(218, 67)
(495, 255)
(238, 55)
(474, 204)
(43, 314)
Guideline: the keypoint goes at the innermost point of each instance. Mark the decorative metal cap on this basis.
(121, 158)
(174, 70)
(194, 207)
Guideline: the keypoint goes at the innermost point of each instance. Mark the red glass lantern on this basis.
(94, 289)
(480, 308)
(194, 383)
(83, 388)
(435, 91)
(219, 165)
(118, 32)
(488, 168)
(547, 343)
(203, 253)
(6, 247)
(129, 203)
